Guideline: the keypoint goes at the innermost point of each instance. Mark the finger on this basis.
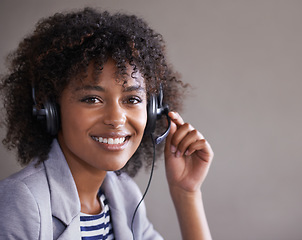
(199, 145)
(185, 143)
(176, 118)
(180, 134)
(169, 137)
(203, 149)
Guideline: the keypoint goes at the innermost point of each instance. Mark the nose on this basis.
(115, 116)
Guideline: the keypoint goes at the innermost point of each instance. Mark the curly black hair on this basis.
(59, 51)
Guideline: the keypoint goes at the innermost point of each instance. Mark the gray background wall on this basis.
(243, 60)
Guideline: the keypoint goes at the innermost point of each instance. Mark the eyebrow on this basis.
(90, 87)
(136, 88)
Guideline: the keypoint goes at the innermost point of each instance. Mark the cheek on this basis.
(73, 120)
(141, 120)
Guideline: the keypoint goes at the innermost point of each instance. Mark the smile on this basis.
(110, 141)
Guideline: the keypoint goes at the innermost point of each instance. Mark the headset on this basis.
(48, 114)
(155, 110)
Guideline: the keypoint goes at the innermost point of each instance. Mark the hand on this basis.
(187, 156)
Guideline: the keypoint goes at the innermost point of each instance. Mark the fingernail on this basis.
(173, 149)
(187, 153)
(177, 154)
(173, 114)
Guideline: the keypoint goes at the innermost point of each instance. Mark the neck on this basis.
(88, 182)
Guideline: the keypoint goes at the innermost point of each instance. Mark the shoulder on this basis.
(15, 192)
(33, 178)
(18, 207)
(19, 203)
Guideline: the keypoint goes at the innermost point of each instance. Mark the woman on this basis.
(78, 100)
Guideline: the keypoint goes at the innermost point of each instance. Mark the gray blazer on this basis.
(41, 202)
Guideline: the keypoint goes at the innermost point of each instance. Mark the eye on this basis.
(133, 100)
(91, 100)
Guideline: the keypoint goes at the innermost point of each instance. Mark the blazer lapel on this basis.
(120, 220)
(64, 199)
(72, 231)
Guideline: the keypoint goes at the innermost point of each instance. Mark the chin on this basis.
(116, 166)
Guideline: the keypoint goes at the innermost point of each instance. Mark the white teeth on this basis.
(109, 140)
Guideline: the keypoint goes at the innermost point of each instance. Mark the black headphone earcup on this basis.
(155, 110)
(48, 116)
(51, 117)
(151, 114)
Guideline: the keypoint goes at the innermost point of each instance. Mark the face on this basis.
(102, 124)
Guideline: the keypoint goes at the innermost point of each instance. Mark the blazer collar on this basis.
(64, 198)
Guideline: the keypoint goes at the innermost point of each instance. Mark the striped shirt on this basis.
(97, 226)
